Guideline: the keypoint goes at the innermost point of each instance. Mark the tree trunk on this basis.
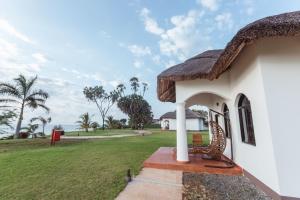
(19, 124)
(103, 120)
(86, 129)
(44, 129)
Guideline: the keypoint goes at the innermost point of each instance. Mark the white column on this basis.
(182, 146)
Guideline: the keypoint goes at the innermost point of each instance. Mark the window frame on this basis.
(246, 120)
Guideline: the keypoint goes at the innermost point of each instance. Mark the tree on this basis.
(23, 94)
(85, 122)
(137, 109)
(123, 122)
(30, 129)
(6, 118)
(145, 88)
(43, 121)
(135, 106)
(103, 100)
(95, 125)
(134, 83)
(112, 123)
(120, 89)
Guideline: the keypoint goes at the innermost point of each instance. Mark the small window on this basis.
(246, 122)
(226, 121)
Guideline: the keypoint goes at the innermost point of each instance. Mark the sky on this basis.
(71, 44)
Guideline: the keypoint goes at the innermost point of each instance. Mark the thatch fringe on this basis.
(211, 64)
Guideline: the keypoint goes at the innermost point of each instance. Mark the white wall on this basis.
(243, 77)
(246, 78)
(172, 123)
(191, 124)
(280, 64)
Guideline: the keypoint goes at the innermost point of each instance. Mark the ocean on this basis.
(48, 129)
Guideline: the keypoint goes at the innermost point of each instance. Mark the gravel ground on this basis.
(219, 187)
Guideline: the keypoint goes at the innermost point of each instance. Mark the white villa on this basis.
(255, 83)
(194, 121)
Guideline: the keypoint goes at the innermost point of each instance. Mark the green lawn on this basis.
(90, 169)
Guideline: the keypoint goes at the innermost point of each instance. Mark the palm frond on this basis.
(9, 101)
(30, 83)
(8, 89)
(39, 93)
(34, 119)
(37, 100)
(44, 107)
(31, 104)
(21, 83)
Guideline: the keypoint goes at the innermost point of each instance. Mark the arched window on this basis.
(246, 122)
(226, 121)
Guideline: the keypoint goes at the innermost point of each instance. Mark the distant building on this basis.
(194, 121)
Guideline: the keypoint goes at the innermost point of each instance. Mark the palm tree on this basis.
(145, 87)
(123, 122)
(24, 95)
(42, 120)
(134, 83)
(30, 129)
(110, 122)
(95, 125)
(6, 118)
(85, 121)
(120, 89)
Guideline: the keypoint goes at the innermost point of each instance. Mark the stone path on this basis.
(97, 136)
(154, 184)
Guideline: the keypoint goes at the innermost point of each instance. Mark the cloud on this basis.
(249, 7)
(14, 61)
(8, 28)
(40, 58)
(150, 24)
(138, 51)
(156, 59)
(224, 21)
(181, 38)
(114, 83)
(149, 70)
(138, 64)
(212, 5)
(104, 34)
(169, 63)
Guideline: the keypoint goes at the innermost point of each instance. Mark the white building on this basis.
(194, 121)
(255, 82)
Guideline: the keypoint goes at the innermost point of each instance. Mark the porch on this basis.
(165, 158)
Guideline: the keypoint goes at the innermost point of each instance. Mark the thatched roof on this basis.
(189, 114)
(211, 64)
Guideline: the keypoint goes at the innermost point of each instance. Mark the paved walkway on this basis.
(154, 184)
(97, 136)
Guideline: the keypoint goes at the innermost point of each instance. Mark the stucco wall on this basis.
(280, 64)
(243, 77)
(246, 78)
